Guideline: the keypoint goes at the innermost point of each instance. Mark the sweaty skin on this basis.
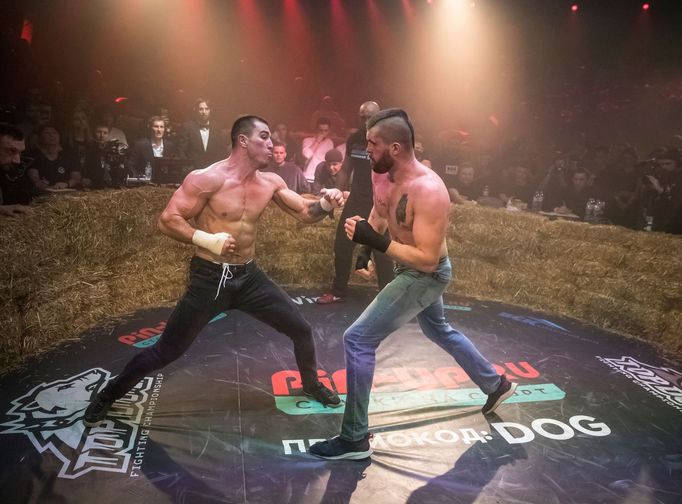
(230, 196)
(411, 201)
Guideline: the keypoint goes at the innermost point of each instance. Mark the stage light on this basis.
(574, 7)
(645, 6)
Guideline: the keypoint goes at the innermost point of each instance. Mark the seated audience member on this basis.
(327, 111)
(464, 189)
(282, 134)
(78, 138)
(620, 185)
(596, 161)
(108, 118)
(327, 170)
(203, 140)
(662, 192)
(53, 167)
(314, 148)
(518, 186)
(16, 188)
(30, 123)
(575, 195)
(554, 182)
(104, 166)
(154, 146)
(290, 173)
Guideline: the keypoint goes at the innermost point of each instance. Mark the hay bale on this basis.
(85, 260)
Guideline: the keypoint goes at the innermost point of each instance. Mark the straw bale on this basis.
(86, 260)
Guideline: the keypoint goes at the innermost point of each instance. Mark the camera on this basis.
(115, 152)
(647, 168)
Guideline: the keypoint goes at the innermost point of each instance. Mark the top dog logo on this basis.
(49, 415)
(663, 382)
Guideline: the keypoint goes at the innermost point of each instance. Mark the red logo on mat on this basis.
(288, 381)
(142, 334)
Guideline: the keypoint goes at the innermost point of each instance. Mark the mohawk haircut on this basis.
(395, 126)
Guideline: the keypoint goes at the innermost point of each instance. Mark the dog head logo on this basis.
(52, 407)
(50, 416)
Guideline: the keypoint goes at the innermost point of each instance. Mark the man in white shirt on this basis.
(314, 148)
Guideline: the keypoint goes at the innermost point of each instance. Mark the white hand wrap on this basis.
(210, 241)
(326, 206)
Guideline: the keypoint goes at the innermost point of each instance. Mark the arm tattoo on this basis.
(401, 210)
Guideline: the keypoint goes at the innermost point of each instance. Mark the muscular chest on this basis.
(395, 204)
(236, 201)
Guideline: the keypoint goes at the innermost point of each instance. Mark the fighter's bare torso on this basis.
(231, 202)
(396, 202)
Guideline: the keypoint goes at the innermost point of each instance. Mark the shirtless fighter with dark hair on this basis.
(217, 209)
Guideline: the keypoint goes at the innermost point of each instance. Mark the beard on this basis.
(384, 164)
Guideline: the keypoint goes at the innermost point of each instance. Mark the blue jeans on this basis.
(412, 293)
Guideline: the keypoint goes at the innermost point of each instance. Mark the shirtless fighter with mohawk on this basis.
(411, 201)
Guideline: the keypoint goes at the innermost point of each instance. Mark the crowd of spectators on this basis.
(92, 147)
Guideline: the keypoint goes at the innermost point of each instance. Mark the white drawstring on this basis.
(227, 275)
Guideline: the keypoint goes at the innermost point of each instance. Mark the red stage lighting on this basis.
(645, 6)
(574, 7)
(27, 31)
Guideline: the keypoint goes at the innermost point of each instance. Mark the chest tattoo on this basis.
(401, 210)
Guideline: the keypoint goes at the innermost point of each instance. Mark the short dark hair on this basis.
(11, 131)
(101, 124)
(244, 126)
(200, 100)
(395, 127)
(277, 143)
(324, 120)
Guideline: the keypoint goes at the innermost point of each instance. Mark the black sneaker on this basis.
(323, 395)
(503, 392)
(340, 449)
(96, 413)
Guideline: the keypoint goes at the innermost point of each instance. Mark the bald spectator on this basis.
(356, 175)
